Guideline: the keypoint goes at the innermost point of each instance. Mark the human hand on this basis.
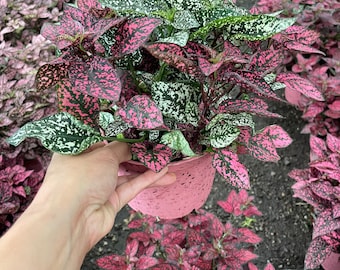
(90, 184)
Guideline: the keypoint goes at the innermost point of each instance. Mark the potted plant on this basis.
(178, 80)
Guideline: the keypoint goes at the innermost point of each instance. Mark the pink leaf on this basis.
(252, 82)
(252, 105)
(83, 107)
(313, 110)
(252, 266)
(297, 46)
(146, 262)
(132, 34)
(131, 247)
(141, 112)
(278, 135)
(208, 67)
(317, 252)
(49, 75)
(140, 236)
(175, 56)
(248, 236)
(112, 262)
(269, 266)
(265, 61)
(333, 143)
(227, 164)
(155, 159)
(88, 4)
(325, 223)
(20, 190)
(318, 146)
(262, 147)
(98, 78)
(301, 85)
(173, 238)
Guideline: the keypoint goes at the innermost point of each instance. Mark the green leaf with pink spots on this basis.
(132, 34)
(96, 78)
(141, 112)
(227, 164)
(155, 157)
(84, 107)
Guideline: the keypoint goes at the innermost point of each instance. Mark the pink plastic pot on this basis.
(332, 262)
(194, 180)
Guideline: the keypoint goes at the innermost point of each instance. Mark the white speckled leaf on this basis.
(221, 136)
(236, 120)
(179, 38)
(176, 141)
(61, 133)
(184, 20)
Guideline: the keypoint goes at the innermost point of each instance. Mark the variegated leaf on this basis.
(301, 85)
(97, 78)
(132, 34)
(141, 112)
(49, 75)
(185, 20)
(222, 135)
(83, 107)
(236, 120)
(254, 105)
(248, 27)
(179, 38)
(278, 135)
(227, 164)
(177, 101)
(155, 157)
(105, 119)
(176, 141)
(262, 147)
(61, 133)
(265, 61)
(175, 56)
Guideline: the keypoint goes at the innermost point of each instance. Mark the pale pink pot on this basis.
(332, 262)
(194, 179)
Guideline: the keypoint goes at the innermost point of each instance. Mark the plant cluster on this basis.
(319, 62)
(173, 78)
(199, 240)
(22, 51)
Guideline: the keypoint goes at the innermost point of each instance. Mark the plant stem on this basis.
(112, 139)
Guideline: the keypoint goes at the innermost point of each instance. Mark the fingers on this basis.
(131, 186)
(120, 151)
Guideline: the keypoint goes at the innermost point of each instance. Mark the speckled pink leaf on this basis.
(253, 83)
(301, 85)
(97, 78)
(325, 223)
(312, 110)
(318, 147)
(62, 35)
(246, 235)
(323, 189)
(333, 143)
(99, 27)
(111, 262)
(323, 166)
(265, 61)
(278, 135)
(132, 34)
(84, 107)
(88, 4)
(300, 174)
(261, 147)
(155, 158)
(175, 56)
(132, 246)
(141, 112)
(297, 46)
(227, 164)
(49, 75)
(145, 262)
(208, 67)
(253, 105)
(336, 209)
(317, 252)
(252, 266)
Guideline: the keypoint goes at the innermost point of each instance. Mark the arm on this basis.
(74, 208)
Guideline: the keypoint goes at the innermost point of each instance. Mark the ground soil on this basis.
(285, 226)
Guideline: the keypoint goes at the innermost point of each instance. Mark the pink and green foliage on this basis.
(133, 68)
(197, 241)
